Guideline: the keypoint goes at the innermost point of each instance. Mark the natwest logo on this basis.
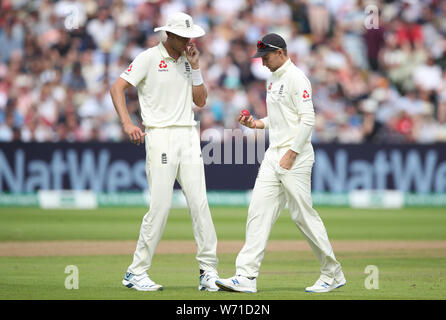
(130, 68)
(305, 95)
(269, 87)
(162, 65)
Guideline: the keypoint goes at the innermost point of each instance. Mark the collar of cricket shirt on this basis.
(279, 72)
(166, 55)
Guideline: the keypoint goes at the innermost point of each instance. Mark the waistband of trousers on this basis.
(169, 127)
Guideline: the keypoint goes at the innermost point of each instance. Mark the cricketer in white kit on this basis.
(285, 173)
(168, 79)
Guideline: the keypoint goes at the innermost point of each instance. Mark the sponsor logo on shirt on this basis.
(188, 71)
(127, 71)
(162, 66)
(276, 93)
(306, 96)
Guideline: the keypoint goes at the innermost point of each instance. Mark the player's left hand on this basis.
(287, 160)
(193, 55)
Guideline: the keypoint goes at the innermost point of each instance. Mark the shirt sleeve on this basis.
(302, 99)
(137, 70)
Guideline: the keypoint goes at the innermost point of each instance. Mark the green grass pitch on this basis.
(403, 274)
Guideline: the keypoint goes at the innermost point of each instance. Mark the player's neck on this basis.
(281, 63)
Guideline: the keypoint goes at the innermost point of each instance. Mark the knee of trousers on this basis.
(159, 208)
(198, 204)
(302, 210)
(263, 204)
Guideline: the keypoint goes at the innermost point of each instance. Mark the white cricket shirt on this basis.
(290, 109)
(164, 87)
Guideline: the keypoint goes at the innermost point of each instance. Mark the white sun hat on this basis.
(183, 25)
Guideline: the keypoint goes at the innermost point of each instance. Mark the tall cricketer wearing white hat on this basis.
(182, 24)
(169, 82)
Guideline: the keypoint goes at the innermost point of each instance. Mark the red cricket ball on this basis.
(245, 113)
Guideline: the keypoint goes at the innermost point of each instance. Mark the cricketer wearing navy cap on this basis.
(284, 177)
(269, 43)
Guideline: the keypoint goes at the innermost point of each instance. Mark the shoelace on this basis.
(210, 275)
(322, 283)
(145, 281)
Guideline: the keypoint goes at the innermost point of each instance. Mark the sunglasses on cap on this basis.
(262, 45)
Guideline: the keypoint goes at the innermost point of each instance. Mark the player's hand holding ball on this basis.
(246, 119)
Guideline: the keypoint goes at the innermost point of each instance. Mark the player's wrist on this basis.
(292, 154)
(126, 123)
(197, 79)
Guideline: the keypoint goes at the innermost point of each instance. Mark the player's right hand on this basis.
(135, 133)
(246, 121)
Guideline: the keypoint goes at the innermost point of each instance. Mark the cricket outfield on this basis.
(385, 254)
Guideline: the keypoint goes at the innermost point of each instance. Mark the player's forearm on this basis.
(264, 123)
(259, 124)
(118, 99)
(302, 136)
(303, 132)
(199, 95)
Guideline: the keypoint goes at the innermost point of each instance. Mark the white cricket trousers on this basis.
(175, 153)
(274, 187)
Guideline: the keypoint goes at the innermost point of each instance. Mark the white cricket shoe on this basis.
(237, 284)
(207, 281)
(140, 282)
(322, 286)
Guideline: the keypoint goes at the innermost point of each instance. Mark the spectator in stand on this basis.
(74, 78)
(374, 39)
(441, 94)
(12, 38)
(319, 19)
(54, 73)
(409, 34)
(428, 76)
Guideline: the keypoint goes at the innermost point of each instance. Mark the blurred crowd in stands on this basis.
(384, 83)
